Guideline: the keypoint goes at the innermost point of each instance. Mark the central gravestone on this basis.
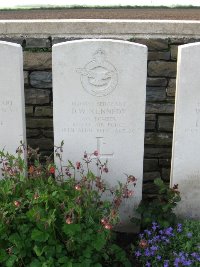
(99, 91)
(185, 169)
(12, 115)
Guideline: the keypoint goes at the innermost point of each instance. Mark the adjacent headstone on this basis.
(99, 91)
(12, 116)
(185, 170)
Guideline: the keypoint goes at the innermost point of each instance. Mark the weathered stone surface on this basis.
(150, 188)
(150, 121)
(186, 142)
(37, 96)
(156, 82)
(159, 55)
(29, 110)
(45, 111)
(39, 123)
(154, 44)
(158, 138)
(37, 43)
(56, 40)
(156, 94)
(37, 61)
(150, 125)
(159, 108)
(165, 123)
(33, 132)
(171, 88)
(157, 152)
(150, 165)
(165, 174)
(41, 143)
(12, 111)
(26, 78)
(41, 79)
(150, 176)
(164, 162)
(48, 133)
(162, 69)
(174, 52)
(95, 106)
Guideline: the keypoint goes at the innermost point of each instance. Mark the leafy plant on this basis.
(178, 246)
(47, 220)
(160, 209)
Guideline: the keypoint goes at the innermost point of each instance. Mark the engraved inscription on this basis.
(98, 118)
(7, 106)
(98, 77)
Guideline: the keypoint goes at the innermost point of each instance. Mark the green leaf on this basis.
(35, 263)
(100, 242)
(38, 250)
(39, 236)
(11, 261)
(71, 229)
(3, 255)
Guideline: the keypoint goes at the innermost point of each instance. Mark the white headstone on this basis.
(185, 169)
(99, 91)
(12, 116)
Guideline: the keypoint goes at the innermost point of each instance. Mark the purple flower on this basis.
(153, 248)
(159, 257)
(148, 264)
(189, 235)
(138, 254)
(166, 263)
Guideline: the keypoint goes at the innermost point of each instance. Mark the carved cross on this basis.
(100, 154)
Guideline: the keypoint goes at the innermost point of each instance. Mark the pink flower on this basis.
(78, 187)
(108, 226)
(17, 203)
(78, 164)
(96, 153)
(68, 220)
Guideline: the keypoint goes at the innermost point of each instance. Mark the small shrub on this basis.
(160, 209)
(46, 220)
(171, 246)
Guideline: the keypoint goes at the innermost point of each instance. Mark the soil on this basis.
(115, 13)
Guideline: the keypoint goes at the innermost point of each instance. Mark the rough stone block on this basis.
(150, 176)
(162, 69)
(165, 123)
(41, 143)
(149, 188)
(158, 138)
(165, 162)
(165, 174)
(37, 96)
(154, 44)
(159, 55)
(44, 111)
(32, 132)
(156, 94)
(25, 78)
(174, 52)
(29, 110)
(171, 88)
(157, 152)
(39, 123)
(156, 82)
(48, 133)
(41, 79)
(150, 121)
(37, 43)
(159, 108)
(37, 61)
(150, 165)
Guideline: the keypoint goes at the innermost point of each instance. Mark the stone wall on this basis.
(162, 58)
